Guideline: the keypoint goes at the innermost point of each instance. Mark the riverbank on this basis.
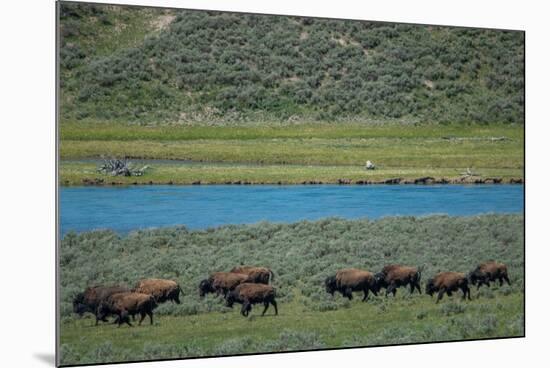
(296, 154)
(85, 173)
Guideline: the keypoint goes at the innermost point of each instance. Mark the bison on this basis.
(221, 283)
(489, 271)
(393, 276)
(91, 298)
(248, 294)
(127, 304)
(447, 282)
(351, 279)
(161, 290)
(257, 275)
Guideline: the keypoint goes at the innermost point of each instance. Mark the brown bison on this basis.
(447, 282)
(248, 294)
(161, 290)
(221, 283)
(258, 275)
(489, 271)
(127, 304)
(393, 276)
(91, 298)
(351, 279)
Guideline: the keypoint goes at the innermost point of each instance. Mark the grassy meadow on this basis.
(301, 254)
(293, 154)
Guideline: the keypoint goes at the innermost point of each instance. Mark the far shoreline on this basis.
(112, 182)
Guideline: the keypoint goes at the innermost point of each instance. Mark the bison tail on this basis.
(271, 276)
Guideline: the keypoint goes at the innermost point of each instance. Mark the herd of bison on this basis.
(248, 285)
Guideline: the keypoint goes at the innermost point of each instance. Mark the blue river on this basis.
(124, 209)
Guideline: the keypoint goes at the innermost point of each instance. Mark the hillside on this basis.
(134, 65)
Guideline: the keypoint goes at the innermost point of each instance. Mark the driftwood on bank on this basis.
(468, 174)
(120, 167)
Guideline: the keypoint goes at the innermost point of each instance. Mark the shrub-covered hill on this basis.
(154, 65)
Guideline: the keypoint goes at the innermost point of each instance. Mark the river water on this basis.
(124, 209)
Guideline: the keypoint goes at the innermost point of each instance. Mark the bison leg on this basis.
(466, 290)
(348, 293)
(507, 279)
(417, 285)
(102, 319)
(246, 308)
(266, 305)
(392, 288)
(274, 303)
(123, 318)
(150, 313)
(440, 295)
(143, 314)
(366, 291)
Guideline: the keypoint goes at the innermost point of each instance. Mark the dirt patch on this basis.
(162, 21)
(292, 79)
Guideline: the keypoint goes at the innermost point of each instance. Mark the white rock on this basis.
(369, 166)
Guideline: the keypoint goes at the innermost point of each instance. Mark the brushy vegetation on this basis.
(302, 254)
(152, 65)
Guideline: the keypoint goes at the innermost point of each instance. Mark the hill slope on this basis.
(153, 65)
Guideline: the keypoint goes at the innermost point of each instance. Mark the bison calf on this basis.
(393, 276)
(489, 271)
(127, 304)
(91, 298)
(249, 294)
(348, 280)
(221, 283)
(447, 282)
(161, 290)
(258, 275)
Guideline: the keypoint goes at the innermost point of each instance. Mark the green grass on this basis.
(294, 154)
(75, 173)
(302, 255)
(108, 131)
(404, 319)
